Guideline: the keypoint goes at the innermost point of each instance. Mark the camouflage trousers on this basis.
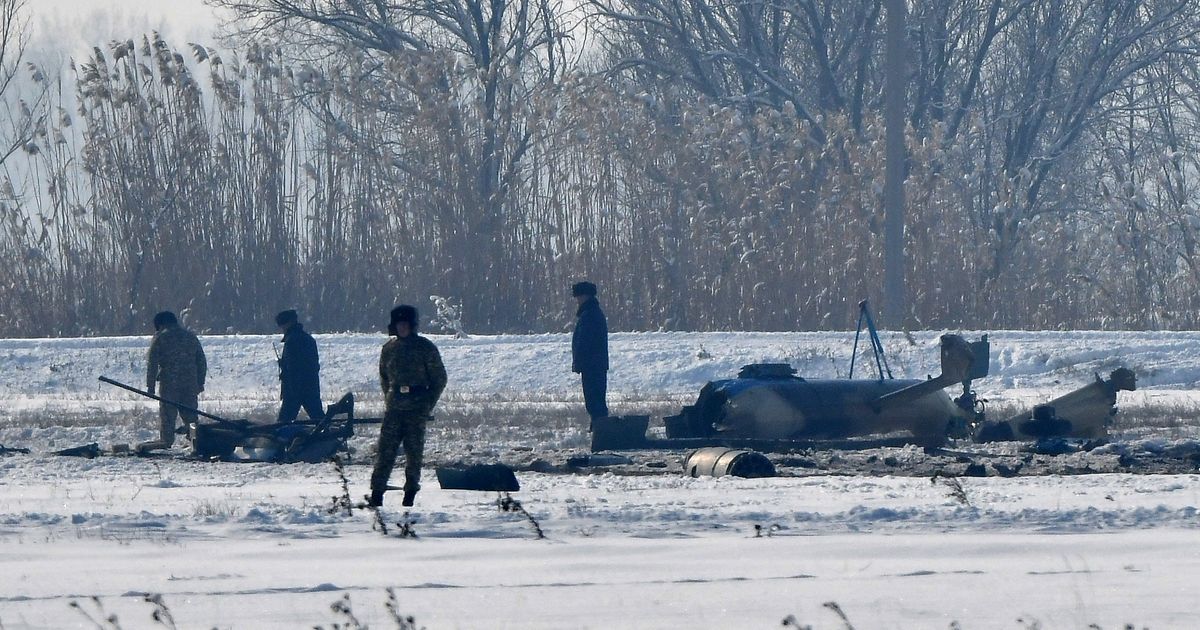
(168, 413)
(400, 428)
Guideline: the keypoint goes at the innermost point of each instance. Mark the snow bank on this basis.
(256, 546)
(51, 374)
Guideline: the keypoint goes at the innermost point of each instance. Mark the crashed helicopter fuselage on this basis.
(769, 402)
(769, 407)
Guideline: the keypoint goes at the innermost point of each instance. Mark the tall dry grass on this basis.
(231, 184)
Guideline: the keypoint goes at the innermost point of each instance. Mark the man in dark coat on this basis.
(589, 349)
(412, 377)
(299, 370)
(176, 363)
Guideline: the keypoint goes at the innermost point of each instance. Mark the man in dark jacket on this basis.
(176, 362)
(412, 377)
(589, 349)
(299, 371)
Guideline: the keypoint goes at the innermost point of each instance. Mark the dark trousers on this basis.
(400, 428)
(595, 388)
(311, 401)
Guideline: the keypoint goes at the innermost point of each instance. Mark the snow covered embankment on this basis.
(60, 374)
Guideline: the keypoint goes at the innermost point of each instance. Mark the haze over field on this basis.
(180, 16)
(60, 30)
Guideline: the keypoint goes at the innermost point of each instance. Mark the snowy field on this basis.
(49, 375)
(259, 546)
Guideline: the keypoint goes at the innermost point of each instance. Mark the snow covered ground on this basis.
(47, 375)
(255, 546)
(258, 546)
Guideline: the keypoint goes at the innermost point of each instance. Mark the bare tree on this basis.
(720, 165)
(485, 61)
(22, 115)
(1059, 71)
(895, 88)
(813, 55)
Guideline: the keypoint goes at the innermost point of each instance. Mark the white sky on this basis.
(57, 22)
(177, 14)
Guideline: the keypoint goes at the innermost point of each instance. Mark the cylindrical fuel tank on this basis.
(716, 461)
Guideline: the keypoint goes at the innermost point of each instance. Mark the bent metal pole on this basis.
(105, 379)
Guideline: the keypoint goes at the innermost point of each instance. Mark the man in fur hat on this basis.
(299, 371)
(589, 349)
(413, 377)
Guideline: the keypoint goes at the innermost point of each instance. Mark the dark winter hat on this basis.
(403, 313)
(164, 319)
(583, 288)
(286, 317)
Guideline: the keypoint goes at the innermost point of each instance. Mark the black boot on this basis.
(409, 495)
(376, 498)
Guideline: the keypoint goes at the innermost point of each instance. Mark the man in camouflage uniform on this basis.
(413, 377)
(176, 362)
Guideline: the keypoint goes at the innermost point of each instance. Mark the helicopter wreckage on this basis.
(768, 407)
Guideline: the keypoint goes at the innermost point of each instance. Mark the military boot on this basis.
(376, 498)
(409, 495)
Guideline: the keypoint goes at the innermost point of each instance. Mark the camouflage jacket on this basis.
(176, 360)
(411, 373)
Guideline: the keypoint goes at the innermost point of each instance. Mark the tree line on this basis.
(710, 164)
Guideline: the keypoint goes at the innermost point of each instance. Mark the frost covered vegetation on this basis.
(711, 165)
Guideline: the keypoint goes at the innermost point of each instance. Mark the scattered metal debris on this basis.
(485, 477)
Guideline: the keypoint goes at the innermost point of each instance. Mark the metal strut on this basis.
(105, 379)
(881, 364)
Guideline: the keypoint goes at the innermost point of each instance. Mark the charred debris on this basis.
(768, 407)
(816, 424)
